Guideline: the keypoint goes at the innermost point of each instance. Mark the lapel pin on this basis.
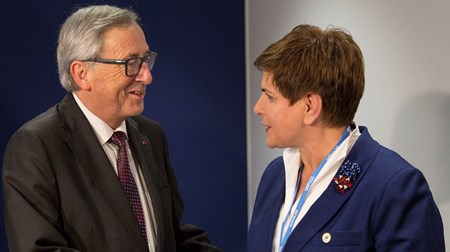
(144, 142)
(347, 174)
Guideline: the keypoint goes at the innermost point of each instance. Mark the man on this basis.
(91, 174)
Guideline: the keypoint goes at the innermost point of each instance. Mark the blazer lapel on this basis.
(143, 151)
(266, 210)
(92, 159)
(332, 200)
(271, 217)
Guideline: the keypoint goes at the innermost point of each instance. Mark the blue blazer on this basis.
(388, 208)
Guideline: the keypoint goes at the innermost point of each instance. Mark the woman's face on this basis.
(283, 122)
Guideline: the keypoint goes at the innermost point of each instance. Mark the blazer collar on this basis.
(332, 200)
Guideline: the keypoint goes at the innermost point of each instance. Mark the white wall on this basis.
(406, 104)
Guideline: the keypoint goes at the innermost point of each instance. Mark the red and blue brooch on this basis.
(347, 174)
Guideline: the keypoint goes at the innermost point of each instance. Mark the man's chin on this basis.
(135, 112)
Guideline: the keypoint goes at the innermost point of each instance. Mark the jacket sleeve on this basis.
(408, 218)
(32, 218)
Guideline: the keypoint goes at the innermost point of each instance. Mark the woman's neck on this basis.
(318, 146)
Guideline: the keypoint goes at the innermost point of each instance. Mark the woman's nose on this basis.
(257, 109)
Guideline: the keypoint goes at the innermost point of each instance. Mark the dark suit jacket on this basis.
(389, 208)
(62, 194)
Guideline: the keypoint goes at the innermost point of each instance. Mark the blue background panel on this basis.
(197, 94)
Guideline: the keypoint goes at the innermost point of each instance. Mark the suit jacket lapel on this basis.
(271, 217)
(143, 151)
(332, 200)
(268, 202)
(93, 161)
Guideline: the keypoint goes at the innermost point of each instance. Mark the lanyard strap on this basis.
(283, 238)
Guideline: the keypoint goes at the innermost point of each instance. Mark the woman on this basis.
(334, 188)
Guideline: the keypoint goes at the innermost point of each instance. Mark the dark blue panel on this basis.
(198, 95)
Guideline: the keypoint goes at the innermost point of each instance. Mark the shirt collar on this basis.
(101, 129)
(291, 159)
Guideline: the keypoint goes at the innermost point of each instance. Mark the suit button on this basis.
(326, 237)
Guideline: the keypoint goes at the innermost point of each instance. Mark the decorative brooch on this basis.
(348, 173)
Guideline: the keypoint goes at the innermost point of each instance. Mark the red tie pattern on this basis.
(127, 180)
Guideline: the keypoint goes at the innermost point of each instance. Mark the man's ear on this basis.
(79, 72)
(313, 108)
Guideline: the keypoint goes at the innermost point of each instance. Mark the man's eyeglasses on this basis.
(132, 65)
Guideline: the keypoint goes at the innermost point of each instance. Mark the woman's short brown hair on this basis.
(328, 63)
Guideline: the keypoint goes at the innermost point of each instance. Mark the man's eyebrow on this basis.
(134, 55)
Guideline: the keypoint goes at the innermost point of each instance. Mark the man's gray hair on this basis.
(81, 36)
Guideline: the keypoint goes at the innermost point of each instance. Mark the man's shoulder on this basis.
(42, 123)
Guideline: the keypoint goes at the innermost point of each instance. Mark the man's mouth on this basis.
(137, 93)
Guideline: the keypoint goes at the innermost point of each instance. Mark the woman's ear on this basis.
(79, 72)
(313, 108)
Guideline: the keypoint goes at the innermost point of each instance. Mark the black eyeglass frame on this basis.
(149, 57)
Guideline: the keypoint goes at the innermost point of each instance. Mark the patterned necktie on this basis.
(127, 180)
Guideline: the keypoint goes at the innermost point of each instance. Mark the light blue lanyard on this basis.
(283, 238)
